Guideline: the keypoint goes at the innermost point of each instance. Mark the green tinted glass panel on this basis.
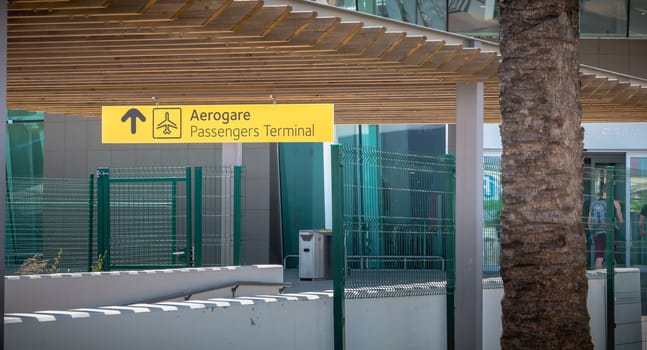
(474, 18)
(603, 18)
(638, 208)
(638, 19)
(302, 192)
(25, 144)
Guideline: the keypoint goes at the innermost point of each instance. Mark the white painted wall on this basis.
(597, 137)
(396, 323)
(596, 300)
(596, 303)
(492, 317)
(295, 321)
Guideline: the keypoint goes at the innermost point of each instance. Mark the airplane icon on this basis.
(167, 124)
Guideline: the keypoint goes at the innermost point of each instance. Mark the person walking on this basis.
(641, 221)
(598, 226)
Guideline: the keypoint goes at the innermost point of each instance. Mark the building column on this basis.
(469, 216)
(3, 141)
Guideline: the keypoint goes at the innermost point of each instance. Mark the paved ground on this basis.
(298, 285)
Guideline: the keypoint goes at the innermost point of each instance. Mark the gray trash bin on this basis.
(314, 254)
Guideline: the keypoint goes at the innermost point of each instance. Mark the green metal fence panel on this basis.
(91, 223)
(237, 212)
(450, 251)
(136, 218)
(592, 180)
(145, 217)
(492, 204)
(190, 248)
(609, 257)
(222, 193)
(398, 219)
(103, 217)
(197, 216)
(595, 179)
(48, 225)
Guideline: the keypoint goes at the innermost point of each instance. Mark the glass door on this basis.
(597, 168)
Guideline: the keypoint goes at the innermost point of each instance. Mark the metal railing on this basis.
(125, 218)
(144, 217)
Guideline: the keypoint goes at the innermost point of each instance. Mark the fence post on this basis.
(103, 217)
(338, 238)
(237, 212)
(197, 215)
(90, 219)
(174, 225)
(609, 253)
(189, 238)
(450, 249)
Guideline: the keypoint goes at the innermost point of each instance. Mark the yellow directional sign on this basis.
(217, 123)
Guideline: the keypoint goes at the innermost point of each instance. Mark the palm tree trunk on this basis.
(543, 249)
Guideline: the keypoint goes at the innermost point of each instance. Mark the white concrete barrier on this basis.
(91, 289)
(292, 322)
(239, 324)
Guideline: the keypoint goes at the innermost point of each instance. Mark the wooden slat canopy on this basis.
(74, 56)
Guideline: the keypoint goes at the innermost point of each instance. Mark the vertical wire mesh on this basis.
(398, 220)
(47, 219)
(638, 208)
(492, 207)
(492, 203)
(637, 217)
(593, 181)
(148, 217)
(218, 216)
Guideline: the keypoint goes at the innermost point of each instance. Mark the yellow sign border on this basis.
(217, 123)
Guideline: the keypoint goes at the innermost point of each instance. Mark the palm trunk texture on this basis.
(543, 249)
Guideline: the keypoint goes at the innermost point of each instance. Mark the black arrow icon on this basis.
(133, 114)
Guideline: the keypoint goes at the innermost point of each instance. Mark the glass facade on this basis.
(479, 18)
(638, 209)
(603, 18)
(301, 167)
(426, 140)
(428, 13)
(474, 18)
(398, 196)
(302, 192)
(24, 144)
(638, 18)
(492, 204)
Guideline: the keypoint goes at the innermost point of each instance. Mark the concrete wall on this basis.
(293, 321)
(256, 234)
(397, 323)
(73, 149)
